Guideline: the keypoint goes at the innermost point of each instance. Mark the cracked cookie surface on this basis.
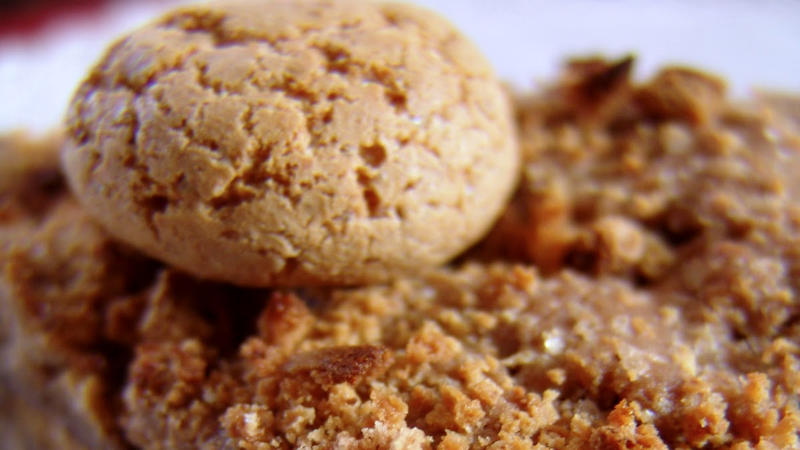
(288, 143)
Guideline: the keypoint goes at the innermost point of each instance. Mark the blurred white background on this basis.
(751, 43)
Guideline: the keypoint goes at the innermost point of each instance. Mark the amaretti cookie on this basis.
(293, 142)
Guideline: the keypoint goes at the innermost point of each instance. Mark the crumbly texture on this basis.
(294, 142)
(677, 329)
(56, 378)
(30, 181)
(621, 179)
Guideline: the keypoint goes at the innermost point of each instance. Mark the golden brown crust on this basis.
(294, 143)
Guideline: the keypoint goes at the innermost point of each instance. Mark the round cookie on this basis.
(293, 142)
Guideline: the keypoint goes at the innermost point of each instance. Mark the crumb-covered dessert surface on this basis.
(639, 292)
(293, 142)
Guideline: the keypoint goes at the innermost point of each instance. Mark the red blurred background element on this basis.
(22, 18)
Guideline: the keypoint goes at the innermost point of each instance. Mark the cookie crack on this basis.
(338, 60)
(372, 200)
(234, 195)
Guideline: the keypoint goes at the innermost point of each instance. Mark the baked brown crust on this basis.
(294, 143)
